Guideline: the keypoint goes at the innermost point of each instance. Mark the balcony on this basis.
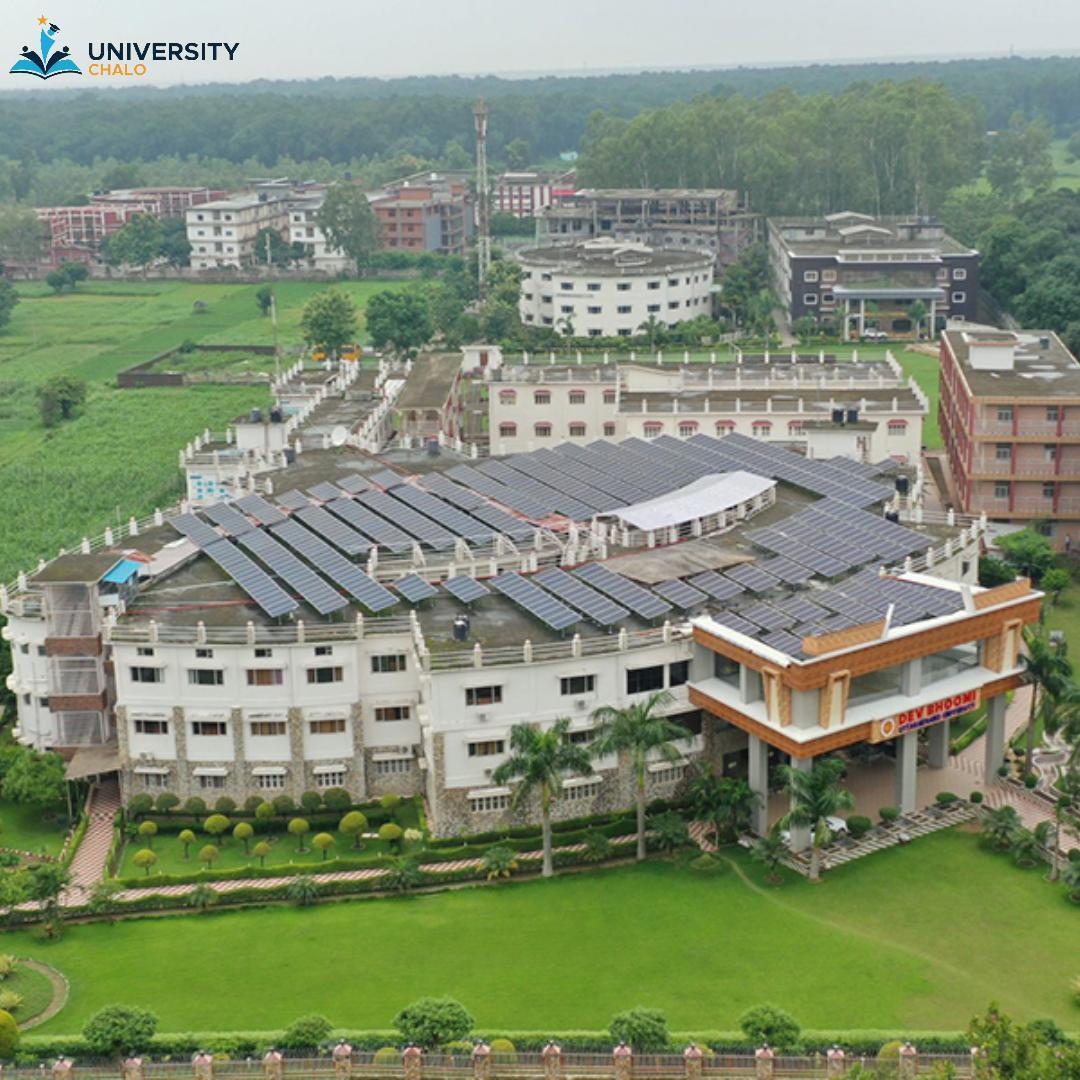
(1033, 469)
(1029, 429)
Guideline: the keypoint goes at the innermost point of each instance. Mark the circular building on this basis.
(608, 288)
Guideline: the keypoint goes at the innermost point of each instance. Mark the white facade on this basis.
(223, 233)
(606, 289)
(304, 229)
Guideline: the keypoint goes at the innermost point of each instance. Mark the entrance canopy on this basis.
(92, 761)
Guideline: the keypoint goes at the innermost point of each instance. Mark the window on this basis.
(147, 674)
(265, 677)
(667, 774)
(211, 783)
(334, 726)
(1004, 414)
(507, 430)
(566, 285)
(827, 298)
(1001, 489)
(652, 428)
(324, 650)
(623, 286)
(897, 427)
(541, 397)
(507, 397)
(1048, 490)
(726, 670)
(567, 309)
(383, 665)
(1003, 451)
(487, 748)
(645, 679)
(810, 299)
(796, 427)
(206, 677)
(653, 307)
(725, 427)
(1050, 453)
(609, 428)
(959, 274)
(392, 765)
(574, 685)
(155, 780)
(679, 673)
(673, 281)
(542, 430)
(810, 275)
(319, 675)
(624, 309)
(580, 792)
(332, 779)
(150, 727)
(483, 695)
(268, 728)
(672, 305)
(959, 297)
(762, 428)
(263, 654)
(204, 654)
(691, 720)
(828, 275)
(209, 728)
(687, 428)
(577, 397)
(388, 714)
(1052, 414)
(595, 310)
(270, 781)
(143, 650)
(654, 284)
(609, 397)
(481, 803)
(577, 430)
(950, 662)
(593, 286)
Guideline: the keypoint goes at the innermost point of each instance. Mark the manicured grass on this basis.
(923, 936)
(35, 989)
(926, 371)
(28, 829)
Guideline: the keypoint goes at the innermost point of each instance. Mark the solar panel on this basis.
(386, 478)
(293, 500)
(680, 594)
(640, 601)
(414, 588)
(423, 528)
(736, 622)
(273, 599)
(577, 594)
(333, 529)
(553, 613)
(353, 483)
(335, 566)
(371, 525)
(716, 585)
(195, 529)
(751, 577)
(446, 489)
(442, 513)
(324, 492)
(233, 523)
(767, 616)
(787, 570)
(466, 589)
(260, 510)
(290, 569)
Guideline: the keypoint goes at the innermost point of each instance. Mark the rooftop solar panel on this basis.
(716, 585)
(269, 596)
(224, 515)
(371, 525)
(442, 513)
(752, 577)
(404, 517)
(325, 491)
(386, 478)
(640, 601)
(293, 500)
(353, 483)
(195, 529)
(735, 622)
(262, 511)
(466, 589)
(295, 573)
(545, 607)
(415, 589)
(592, 604)
(680, 594)
(334, 530)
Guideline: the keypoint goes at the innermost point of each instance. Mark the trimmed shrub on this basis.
(858, 825)
(504, 1048)
(388, 1055)
(460, 1046)
(889, 814)
(645, 1030)
(307, 1032)
(391, 834)
(390, 801)
(432, 1022)
(975, 798)
(252, 803)
(9, 1035)
(1031, 781)
(140, 804)
(946, 798)
(225, 805)
(10, 1001)
(337, 799)
(1003, 770)
(166, 802)
(195, 806)
(118, 1029)
(769, 1024)
(311, 801)
(282, 804)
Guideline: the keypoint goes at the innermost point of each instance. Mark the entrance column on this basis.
(938, 738)
(759, 784)
(907, 763)
(800, 834)
(995, 737)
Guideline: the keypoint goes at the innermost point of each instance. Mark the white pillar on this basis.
(759, 784)
(938, 739)
(995, 737)
(800, 834)
(907, 763)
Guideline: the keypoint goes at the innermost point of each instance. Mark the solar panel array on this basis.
(195, 529)
(234, 524)
(534, 600)
(640, 601)
(334, 530)
(455, 521)
(293, 500)
(378, 530)
(262, 511)
(420, 527)
(324, 599)
(681, 594)
(466, 589)
(325, 491)
(353, 483)
(592, 604)
(273, 599)
(415, 589)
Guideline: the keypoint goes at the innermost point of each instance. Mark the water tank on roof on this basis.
(903, 485)
(893, 516)
(853, 416)
(1044, 342)
(838, 416)
(461, 628)
(276, 415)
(256, 416)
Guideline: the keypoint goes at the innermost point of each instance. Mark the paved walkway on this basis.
(88, 866)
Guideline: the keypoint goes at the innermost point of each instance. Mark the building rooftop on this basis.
(1026, 364)
(242, 201)
(77, 569)
(858, 234)
(606, 257)
(429, 382)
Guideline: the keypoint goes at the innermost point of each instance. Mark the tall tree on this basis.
(349, 222)
(517, 154)
(60, 397)
(1048, 672)
(137, 244)
(329, 321)
(640, 732)
(539, 761)
(399, 318)
(816, 796)
(22, 235)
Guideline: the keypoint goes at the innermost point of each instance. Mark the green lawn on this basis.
(926, 371)
(34, 988)
(923, 936)
(24, 827)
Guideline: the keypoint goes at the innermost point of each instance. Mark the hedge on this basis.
(170, 824)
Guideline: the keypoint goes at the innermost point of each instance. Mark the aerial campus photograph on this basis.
(540, 543)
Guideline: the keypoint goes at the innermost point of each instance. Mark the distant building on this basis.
(222, 233)
(604, 288)
(685, 219)
(425, 212)
(304, 229)
(867, 272)
(429, 407)
(162, 202)
(1010, 418)
(525, 194)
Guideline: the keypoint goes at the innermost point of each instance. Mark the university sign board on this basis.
(923, 716)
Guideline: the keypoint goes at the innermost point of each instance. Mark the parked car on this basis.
(837, 826)
(873, 334)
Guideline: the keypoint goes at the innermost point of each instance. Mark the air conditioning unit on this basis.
(487, 772)
(482, 717)
(581, 704)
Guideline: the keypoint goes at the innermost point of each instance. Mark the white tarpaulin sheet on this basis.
(710, 495)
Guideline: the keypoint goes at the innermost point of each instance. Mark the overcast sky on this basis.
(288, 39)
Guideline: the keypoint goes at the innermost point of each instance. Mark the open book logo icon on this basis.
(49, 61)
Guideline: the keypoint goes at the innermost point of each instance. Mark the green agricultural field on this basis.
(119, 456)
(923, 936)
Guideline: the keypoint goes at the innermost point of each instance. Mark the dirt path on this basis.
(60, 993)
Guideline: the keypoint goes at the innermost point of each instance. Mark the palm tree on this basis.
(1000, 825)
(539, 761)
(1024, 847)
(651, 326)
(1046, 671)
(816, 796)
(302, 891)
(726, 803)
(917, 312)
(1070, 875)
(403, 874)
(638, 730)
(769, 850)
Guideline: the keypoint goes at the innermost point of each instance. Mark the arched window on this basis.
(609, 428)
(897, 427)
(577, 431)
(687, 428)
(724, 427)
(796, 427)
(762, 428)
(507, 397)
(577, 397)
(508, 430)
(609, 397)
(542, 430)
(652, 428)
(541, 397)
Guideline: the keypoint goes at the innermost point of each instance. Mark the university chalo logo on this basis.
(49, 61)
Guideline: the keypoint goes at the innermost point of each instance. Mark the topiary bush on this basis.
(858, 826)
(389, 801)
(506, 1050)
(119, 1029)
(9, 1035)
(975, 798)
(307, 1032)
(432, 1022)
(1031, 781)
(889, 814)
(390, 1055)
(772, 1025)
(946, 798)
(645, 1030)
(140, 804)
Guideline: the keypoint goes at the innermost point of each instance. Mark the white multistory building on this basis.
(223, 233)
